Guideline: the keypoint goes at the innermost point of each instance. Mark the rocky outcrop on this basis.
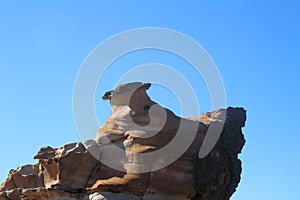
(117, 165)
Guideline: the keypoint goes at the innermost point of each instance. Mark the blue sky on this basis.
(255, 45)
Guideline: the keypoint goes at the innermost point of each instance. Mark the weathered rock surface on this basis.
(137, 126)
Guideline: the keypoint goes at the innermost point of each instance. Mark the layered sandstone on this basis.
(138, 126)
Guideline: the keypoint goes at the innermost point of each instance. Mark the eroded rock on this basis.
(138, 126)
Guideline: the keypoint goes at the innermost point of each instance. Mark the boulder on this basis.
(142, 151)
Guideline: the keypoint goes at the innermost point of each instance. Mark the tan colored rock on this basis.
(43, 194)
(28, 176)
(135, 183)
(138, 126)
(71, 167)
(134, 117)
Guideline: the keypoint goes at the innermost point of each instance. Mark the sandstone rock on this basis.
(43, 193)
(28, 176)
(112, 196)
(138, 127)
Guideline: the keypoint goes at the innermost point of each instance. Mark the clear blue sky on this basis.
(255, 45)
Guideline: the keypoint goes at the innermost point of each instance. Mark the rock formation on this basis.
(123, 163)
